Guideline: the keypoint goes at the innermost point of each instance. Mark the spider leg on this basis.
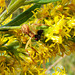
(27, 50)
(28, 43)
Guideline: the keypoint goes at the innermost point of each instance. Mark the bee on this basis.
(38, 36)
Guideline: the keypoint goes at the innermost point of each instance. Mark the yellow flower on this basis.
(61, 72)
(59, 7)
(73, 1)
(71, 23)
(2, 3)
(57, 39)
(2, 40)
(1, 9)
(7, 19)
(65, 1)
(11, 39)
(25, 7)
(48, 22)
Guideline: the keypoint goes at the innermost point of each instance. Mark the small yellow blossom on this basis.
(2, 40)
(25, 7)
(1, 9)
(61, 72)
(11, 39)
(48, 22)
(2, 3)
(66, 1)
(7, 20)
(71, 23)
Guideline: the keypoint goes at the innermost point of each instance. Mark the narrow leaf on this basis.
(40, 1)
(5, 28)
(47, 1)
(22, 17)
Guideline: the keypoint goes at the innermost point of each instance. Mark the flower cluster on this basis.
(60, 23)
(58, 72)
(23, 51)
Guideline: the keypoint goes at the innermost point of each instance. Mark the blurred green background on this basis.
(67, 62)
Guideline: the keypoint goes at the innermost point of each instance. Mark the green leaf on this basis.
(42, 27)
(22, 17)
(40, 1)
(6, 28)
(13, 49)
(47, 1)
(72, 39)
(12, 1)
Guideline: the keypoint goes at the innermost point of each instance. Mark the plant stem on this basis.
(29, 2)
(9, 27)
(50, 67)
(44, 66)
(39, 1)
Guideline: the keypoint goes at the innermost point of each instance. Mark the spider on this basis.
(25, 30)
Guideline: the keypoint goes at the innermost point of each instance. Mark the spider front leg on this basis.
(29, 42)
